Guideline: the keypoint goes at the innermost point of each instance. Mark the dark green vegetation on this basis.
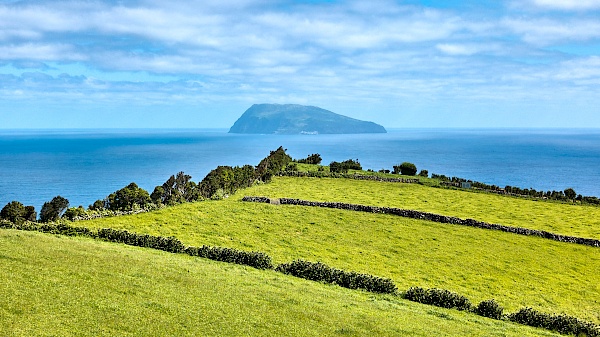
(406, 168)
(16, 212)
(52, 210)
(343, 167)
(296, 119)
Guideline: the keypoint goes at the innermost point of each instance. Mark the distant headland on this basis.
(299, 119)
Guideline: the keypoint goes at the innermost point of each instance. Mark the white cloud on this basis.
(568, 4)
(40, 52)
(547, 31)
(347, 51)
(457, 49)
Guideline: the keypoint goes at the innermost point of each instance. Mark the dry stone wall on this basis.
(430, 217)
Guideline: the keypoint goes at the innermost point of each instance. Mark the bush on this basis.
(424, 173)
(406, 168)
(489, 308)
(343, 167)
(314, 159)
(352, 280)
(438, 297)
(169, 244)
(16, 212)
(128, 198)
(74, 213)
(253, 259)
(560, 323)
(291, 167)
(177, 189)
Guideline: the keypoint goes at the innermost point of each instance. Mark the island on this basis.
(299, 119)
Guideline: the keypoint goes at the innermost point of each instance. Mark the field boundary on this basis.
(412, 214)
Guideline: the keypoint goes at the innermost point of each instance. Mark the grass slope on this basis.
(560, 218)
(515, 270)
(59, 286)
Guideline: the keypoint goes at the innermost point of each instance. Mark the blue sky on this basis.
(200, 64)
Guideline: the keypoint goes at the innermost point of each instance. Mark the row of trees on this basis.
(568, 194)
(179, 188)
(52, 210)
(343, 167)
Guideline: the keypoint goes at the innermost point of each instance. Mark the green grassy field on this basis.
(560, 218)
(60, 286)
(517, 271)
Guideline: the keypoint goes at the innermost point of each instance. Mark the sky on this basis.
(201, 64)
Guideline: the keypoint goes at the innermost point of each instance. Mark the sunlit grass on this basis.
(561, 218)
(517, 271)
(59, 286)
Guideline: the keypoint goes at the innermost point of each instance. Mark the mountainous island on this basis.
(299, 119)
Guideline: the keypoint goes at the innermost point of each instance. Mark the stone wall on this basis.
(430, 217)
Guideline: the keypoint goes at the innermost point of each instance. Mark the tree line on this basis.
(179, 188)
(225, 180)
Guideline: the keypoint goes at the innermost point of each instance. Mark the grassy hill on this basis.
(61, 286)
(517, 271)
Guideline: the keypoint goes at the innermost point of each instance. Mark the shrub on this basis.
(489, 308)
(406, 168)
(253, 259)
(321, 272)
(314, 159)
(74, 213)
(129, 197)
(177, 189)
(343, 167)
(424, 173)
(291, 167)
(438, 297)
(168, 244)
(16, 212)
(561, 323)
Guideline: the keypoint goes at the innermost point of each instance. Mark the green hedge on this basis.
(561, 323)
(489, 308)
(253, 259)
(438, 297)
(352, 280)
(169, 244)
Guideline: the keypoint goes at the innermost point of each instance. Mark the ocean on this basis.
(86, 165)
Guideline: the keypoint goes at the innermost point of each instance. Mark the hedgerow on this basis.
(253, 259)
(489, 308)
(317, 271)
(561, 323)
(167, 244)
(438, 297)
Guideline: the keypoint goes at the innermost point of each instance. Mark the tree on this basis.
(570, 194)
(52, 210)
(344, 166)
(406, 168)
(128, 198)
(175, 190)
(16, 212)
(314, 158)
(275, 162)
(424, 173)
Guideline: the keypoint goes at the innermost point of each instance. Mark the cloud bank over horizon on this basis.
(148, 63)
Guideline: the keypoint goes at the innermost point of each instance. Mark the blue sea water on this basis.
(86, 165)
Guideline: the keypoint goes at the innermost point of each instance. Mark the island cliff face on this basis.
(299, 119)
